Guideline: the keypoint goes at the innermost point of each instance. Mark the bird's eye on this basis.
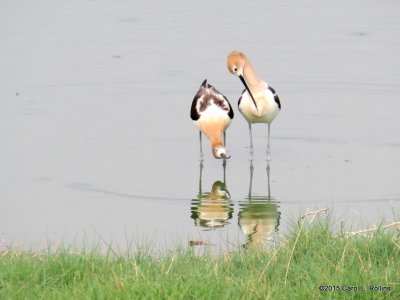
(234, 69)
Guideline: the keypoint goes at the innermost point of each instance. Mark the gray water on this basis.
(96, 139)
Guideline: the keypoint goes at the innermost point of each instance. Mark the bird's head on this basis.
(219, 151)
(236, 63)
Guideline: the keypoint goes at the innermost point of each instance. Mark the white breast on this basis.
(266, 111)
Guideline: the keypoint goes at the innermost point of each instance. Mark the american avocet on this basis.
(259, 102)
(212, 114)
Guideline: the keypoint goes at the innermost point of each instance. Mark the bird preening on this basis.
(212, 112)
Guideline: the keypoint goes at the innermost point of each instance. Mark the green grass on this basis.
(309, 256)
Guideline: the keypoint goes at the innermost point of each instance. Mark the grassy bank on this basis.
(308, 257)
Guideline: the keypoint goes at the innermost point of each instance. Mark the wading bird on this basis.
(212, 113)
(259, 102)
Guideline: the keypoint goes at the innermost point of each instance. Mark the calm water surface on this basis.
(96, 138)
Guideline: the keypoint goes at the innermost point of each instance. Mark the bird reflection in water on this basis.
(212, 209)
(258, 216)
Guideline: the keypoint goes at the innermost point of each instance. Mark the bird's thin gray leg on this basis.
(251, 143)
(200, 179)
(201, 148)
(268, 146)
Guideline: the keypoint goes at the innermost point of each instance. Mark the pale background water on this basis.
(96, 138)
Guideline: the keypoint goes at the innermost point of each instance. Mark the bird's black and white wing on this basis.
(276, 98)
(207, 96)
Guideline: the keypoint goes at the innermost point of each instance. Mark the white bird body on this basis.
(267, 108)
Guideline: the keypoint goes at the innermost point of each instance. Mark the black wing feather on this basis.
(194, 114)
(230, 113)
(240, 99)
(276, 98)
